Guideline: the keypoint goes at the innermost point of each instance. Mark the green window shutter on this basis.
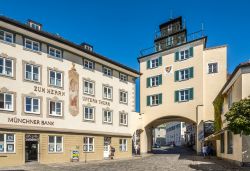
(160, 98)
(191, 72)
(148, 82)
(148, 64)
(176, 96)
(191, 93)
(176, 58)
(176, 76)
(160, 61)
(148, 100)
(160, 79)
(191, 52)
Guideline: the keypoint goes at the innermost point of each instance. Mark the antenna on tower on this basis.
(202, 29)
(171, 14)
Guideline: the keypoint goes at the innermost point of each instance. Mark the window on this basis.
(7, 143)
(33, 45)
(35, 26)
(107, 71)
(154, 63)
(184, 95)
(222, 143)
(88, 113)
(229, 142)
(6, 67)
(123, 145)
(107, 116)
(184, 54)
(88, 64)
(184, 74)
(32, 72)
(123, 77)
(6, 102)
(6, 36)
(212, 68)
(107, 92)
(123, 119)
(88, 144)
(154, 81)
(55, 108)
(154, 100)
(32, 105)
(55, 144)
(88, 87)
(55, 52)
(230, 99)
(55, 78)
(170, 41)
(123, 97)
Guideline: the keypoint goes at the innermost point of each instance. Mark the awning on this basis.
(215, 136)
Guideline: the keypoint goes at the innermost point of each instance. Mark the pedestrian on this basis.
(204, 150)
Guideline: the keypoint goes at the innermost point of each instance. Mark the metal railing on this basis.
(169, 44)
(166, 31)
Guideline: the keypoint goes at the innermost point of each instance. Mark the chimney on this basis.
(87, 46)
(33, 24)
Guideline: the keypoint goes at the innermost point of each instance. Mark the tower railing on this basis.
(170, 43)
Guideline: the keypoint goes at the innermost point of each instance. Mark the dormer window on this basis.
(34, 25)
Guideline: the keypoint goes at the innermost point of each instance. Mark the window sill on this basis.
(31, 81)
(31, 113)
(107, 123)
(124, 103)
(89, 69)
(8, 43)
(54, 86)
(55, 152)
(7, 76)
(126, 82)
(88, 94)
(107, 99)
(88, 151)
(56, 58)
(153, 67)
(109, 76)
(123, 125)
(86, 120)
(31, 50)
(53, 115)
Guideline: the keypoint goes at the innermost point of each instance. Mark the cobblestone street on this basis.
(169, 159)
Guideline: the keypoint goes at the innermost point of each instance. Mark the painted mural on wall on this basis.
(73, 91)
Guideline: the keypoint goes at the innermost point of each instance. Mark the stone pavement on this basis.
(169, 159)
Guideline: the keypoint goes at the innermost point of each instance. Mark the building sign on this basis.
(75, 155)
(31, 137)
(93, 100)
(48, 91)
(73, 91)
(30, 121)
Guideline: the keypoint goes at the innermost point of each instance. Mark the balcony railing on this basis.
(169, 44)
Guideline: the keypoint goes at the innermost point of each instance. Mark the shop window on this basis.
(88, 144)
(55, 144)
(123, 145)
(7, 143)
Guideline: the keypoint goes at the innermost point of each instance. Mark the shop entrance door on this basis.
(106, 151)
(31, 147)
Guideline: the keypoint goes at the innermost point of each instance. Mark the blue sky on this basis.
(120, 29)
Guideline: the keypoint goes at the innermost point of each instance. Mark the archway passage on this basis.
(183, 132)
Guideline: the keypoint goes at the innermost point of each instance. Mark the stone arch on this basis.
(146, 136)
